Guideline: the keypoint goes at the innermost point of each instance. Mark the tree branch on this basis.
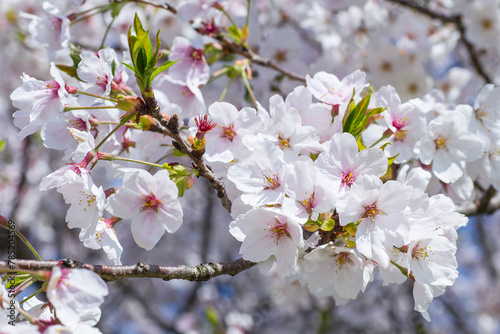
(458, 21)
(171, 128)
(202, 272)
(255, 58)
(165, 5)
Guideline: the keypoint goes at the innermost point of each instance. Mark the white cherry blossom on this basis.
(152, 204)
(269, 236)
(448, 144)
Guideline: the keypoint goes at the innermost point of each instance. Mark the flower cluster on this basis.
(351, 176)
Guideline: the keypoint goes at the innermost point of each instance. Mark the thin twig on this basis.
(165, 5)
(171, 128)
(458, 21)
(256, 59)
(202, 272)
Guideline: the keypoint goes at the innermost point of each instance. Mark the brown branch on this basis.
(295, 25)
(458, 21)
(165, 5)
(171, 128)
(485, 204)
(255, 58)
(202, 272)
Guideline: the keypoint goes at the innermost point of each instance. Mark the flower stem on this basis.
(124, 120)
(97, 96)
(250, 91)
(138, 161)
(225, 89)
(228, 16)
(26, 242)
(248, 13)
(32, 295)
(66, 109)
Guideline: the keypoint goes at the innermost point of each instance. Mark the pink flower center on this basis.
(348, 178)
(372, 211)
(197, 55)
(187, 93)
(271, 181)
(277, 231)
(150, 202)
(399, 123)
(52, 87)
(203, 124)
(227, 131)
(78, 123)
(55, 24)
(422, 252)
(102, 81)
(308, 202)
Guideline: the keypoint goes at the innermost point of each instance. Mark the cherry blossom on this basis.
(52, 30)
(191, 67)
(151, 202)
(269, 236)
(329, 89)
(38, 102)
(87, 201)
(334, 271)
(379, 209)
(343, 164)
(448, 145)
(261, 178)
(76, 294)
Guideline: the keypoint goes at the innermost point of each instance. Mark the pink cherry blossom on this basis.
(38, 102)
(269, 235)
(152, 204)
(191, 67)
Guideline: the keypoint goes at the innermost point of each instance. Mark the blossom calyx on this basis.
(129, 103)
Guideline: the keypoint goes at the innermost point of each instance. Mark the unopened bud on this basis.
(190, 181)
(129, 103)
(71, 89)
(218, 6)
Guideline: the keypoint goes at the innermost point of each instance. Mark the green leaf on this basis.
(311, 226)
(113, 67)
(162, 68)
(3, 143)
(328, 225)
(74, 53)
(375, 111)
(11, 285)
(116, 8)
(357, 116)
(385, 145)
(235, 33)
(181, 186)
(157, 47)
(212, 316)
(178, 153)
(141, 62)
(361, 144)
(129, 66)
(69, 70)
(351, 228)
(391, 160)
